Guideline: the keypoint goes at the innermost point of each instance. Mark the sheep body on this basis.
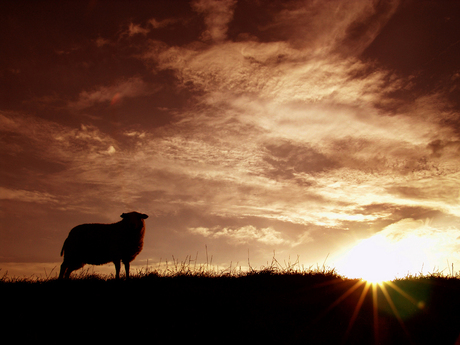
(98, 244)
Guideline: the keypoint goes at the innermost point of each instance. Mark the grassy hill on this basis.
(260, 307)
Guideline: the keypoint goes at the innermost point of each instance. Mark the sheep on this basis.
(98, 244)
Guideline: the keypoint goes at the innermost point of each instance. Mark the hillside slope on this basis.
(259, 308)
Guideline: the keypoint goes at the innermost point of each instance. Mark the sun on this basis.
(380, 258)
(371, 260)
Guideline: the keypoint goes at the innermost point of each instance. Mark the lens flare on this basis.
(384, 295)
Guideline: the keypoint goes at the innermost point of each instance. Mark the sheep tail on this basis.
(63, 246)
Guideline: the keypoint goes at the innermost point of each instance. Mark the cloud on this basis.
(135, 29)
(26, 196)
(245, 234)
(288, 159)
(26, 133)
(279, 130)
(331, 26)
(140, 135)
(328, 107)
(222, 162)
(114, 94)
(275, 71)
(293, 162)
(162, 23)
(75, 150)
(100, 42)
(218, 13)
(325, 114)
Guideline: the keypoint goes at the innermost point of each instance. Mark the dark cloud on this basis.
(448, 192)
(288, 159)
(441, 148)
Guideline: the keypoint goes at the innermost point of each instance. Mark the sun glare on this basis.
(378, 259)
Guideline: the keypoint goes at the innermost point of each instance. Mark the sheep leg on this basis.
(67, 272)
(67, 268)
(126, 268)
(62, 272)
(117, 269)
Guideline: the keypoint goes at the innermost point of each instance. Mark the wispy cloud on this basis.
(281, 131)
(74, 149)
(312, 118)
(113, 94)
(245, 234)
(157, 24)
(135, 29)
(138, 29)
(217, 13)
(100, 42)
(26, 196)
(326, 26)
(277, 72)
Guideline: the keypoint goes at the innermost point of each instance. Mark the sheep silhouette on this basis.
(98, 244)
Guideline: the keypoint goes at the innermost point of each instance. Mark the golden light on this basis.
(401, 249)
(384, 258)
(388, 290)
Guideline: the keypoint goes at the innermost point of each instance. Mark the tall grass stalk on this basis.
(191, 267)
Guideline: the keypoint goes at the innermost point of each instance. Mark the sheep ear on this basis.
(123, 215)
(144, 216)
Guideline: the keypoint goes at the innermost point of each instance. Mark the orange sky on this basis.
(301, 127)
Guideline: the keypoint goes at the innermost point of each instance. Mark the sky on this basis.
(305, 130)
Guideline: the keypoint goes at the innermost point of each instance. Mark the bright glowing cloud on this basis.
(242, 235)
(406, 247)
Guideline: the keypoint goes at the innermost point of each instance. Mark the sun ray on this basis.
(375, 311)
(339, 300)
(345, 295)
(393, 308)
(357, 309)
(371, 287)
(395, 287)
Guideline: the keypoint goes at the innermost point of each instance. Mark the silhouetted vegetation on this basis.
(268, 306)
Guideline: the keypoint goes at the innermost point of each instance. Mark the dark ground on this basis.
(260, 308)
